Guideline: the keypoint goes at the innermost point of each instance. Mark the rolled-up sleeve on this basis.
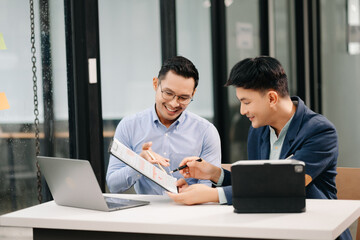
(211, 151)
(119, 176)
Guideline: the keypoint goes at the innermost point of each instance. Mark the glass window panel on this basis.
(18, 186)
(242, 25)
(340, 81)
(130, 51)
(284, 34)
(194, 42)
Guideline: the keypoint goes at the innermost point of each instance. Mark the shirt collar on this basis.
(155, 117)
(156, 120)
(283, 130)
(182, 117)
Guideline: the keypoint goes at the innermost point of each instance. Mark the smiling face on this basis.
(169, 110)
(255, 105)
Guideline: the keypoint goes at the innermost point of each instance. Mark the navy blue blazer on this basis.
(310, 138)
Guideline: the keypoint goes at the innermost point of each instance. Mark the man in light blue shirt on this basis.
(167, 130)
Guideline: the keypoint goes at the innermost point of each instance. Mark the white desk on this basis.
(163, 219)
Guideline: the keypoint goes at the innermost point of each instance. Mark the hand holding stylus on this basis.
(184, 166)
(193, 168)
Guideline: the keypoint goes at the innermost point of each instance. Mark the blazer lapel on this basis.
(293, 128)
(265, 144)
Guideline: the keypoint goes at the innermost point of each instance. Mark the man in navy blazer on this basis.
(281, 126)
(310, 138)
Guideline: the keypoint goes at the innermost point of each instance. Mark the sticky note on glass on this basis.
(3, 102)
(2, 42)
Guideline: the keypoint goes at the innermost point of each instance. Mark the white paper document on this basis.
(144, 167)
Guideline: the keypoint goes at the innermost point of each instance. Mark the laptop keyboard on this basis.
(114, 205)
(115, 202)
(121, 202)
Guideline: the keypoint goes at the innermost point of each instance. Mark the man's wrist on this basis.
(220, 180)
(216, 174)
(214, 195)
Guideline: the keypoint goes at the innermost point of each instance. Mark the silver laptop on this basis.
(73, 183)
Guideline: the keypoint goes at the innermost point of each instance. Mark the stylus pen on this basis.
(184, 166)
(289, 156)
(153, 158)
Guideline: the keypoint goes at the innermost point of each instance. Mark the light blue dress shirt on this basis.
(189, 135)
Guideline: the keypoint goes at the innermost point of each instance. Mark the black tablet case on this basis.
(268, 188)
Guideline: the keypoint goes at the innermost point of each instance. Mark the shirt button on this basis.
(276, 148)
(166, 134)
(164, 153)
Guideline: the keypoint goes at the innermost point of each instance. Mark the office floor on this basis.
(13, 233)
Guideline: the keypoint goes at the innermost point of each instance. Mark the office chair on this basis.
(348, 186)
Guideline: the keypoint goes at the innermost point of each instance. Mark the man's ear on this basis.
(273, 97)
(155, 83)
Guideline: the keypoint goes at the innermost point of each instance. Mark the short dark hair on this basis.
(180, 66)
(259, 73)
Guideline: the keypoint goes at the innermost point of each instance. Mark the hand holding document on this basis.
(143, 166)
(194, 194)
(153, 157)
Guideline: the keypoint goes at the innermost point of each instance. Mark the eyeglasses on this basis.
(167, 95)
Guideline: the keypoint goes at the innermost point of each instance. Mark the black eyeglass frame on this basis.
(170, 96)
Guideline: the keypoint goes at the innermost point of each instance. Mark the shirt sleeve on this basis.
(222, 197)
(211, 150)
(220, 181)
(319, 150)
(228, 194)
(119, 176)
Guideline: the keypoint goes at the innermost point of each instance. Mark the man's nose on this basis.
(242, 109)
(175, 101)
